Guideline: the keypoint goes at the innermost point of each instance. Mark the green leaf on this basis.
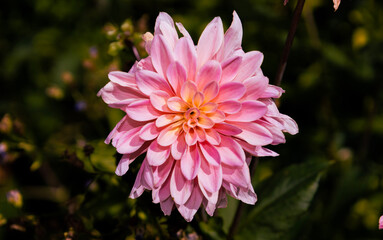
(283, 199)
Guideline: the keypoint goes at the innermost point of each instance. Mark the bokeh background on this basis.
(57, 176)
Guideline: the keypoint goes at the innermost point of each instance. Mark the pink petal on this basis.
(231, 152)
(159, 100)
(209, 107)
(239, 176)
(149, 131)
(169, 135)
(210, 177)
(186, 54)
(123, 165)
(230, 106)
(143, 181)
(254, 133)
(210, 91)
(205, 122)
(169, 33)
(251, 110)
(230, 91)
(217, 116)
(164, 191)
(198, 99)
(177, 104)
(167, 119)
(190, 162)
(212, 136)
(176, 75)
(178, 147)
(336, 4)
(163, 17)
(210, 71)
(251, 62)
(156, 154)
(148, 82)
(190, 208)
(290, 125)
(117, 96)
(227, 129)
(210, 41)
(142, 111)
(201, 135)
(255, 86)
(122, 78)
(130, 141)
(257, 150)
(182, 30)
(161, 173)
(180, 187)
(187, 91)
(233, 37)
(191, 137)
(161, 54)
(167, 206)
(210, 153)
(272, 92)
(230, 68)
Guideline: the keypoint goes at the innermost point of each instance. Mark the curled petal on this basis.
(188, 90)
(210, 177)
(254, 133)
(149, 131)
(122, 78)
(189, 209)
(167, 119)
(210, 91)
(178, 147)
(177, 104)
(217, 116)
(205, 122)
(169, 135)
(210, 153)
(129, 142)
(232, 39)
(230, 68)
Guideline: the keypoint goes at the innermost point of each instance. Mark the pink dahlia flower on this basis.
(381, 222)
(199, 112)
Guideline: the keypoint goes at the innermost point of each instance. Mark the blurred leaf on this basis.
(285, 197)
(103, 157)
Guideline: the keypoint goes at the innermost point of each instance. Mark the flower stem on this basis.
(289, 42)
(278, 80)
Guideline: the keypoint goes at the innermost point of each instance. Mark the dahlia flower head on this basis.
(199, 113)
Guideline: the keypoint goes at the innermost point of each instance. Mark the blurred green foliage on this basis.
(55, 56)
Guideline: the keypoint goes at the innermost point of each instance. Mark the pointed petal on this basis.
(161, 54)
(190, 208)
(167, 206)
(122, 78)
(198, 99)
(186, 54)
(233, 37)
(123, 165)
(210, 41)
